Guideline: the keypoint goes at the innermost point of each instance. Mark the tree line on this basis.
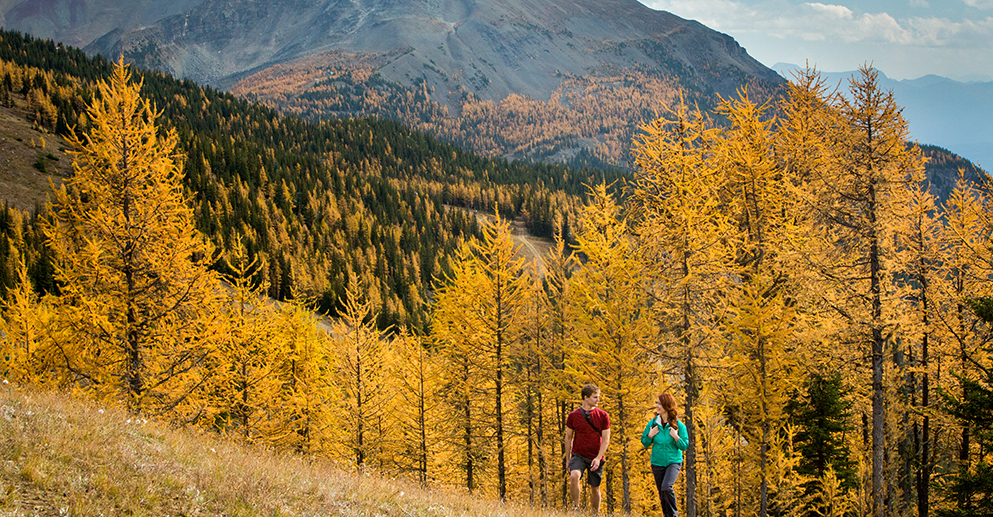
(317, 202)
(602, 110)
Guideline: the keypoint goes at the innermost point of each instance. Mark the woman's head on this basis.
(668, 403)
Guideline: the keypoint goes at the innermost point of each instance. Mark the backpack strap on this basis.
(586, 415)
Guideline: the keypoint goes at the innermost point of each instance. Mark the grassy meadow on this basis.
(60, 455)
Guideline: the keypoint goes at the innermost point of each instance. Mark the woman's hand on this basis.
(674, 433)
(653, 431)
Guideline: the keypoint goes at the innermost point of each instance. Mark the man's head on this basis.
(589, 391)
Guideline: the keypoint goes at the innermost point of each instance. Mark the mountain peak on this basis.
(489, 49)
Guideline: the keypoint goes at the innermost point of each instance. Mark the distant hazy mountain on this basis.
(950, 114)
(79, 22)
(489, 48)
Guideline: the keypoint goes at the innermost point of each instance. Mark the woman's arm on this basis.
(684, 438)
(648, 436)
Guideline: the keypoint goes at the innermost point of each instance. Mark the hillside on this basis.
(64, 456)
(268, 179)
(319, 202)
(588, 120)
(943, 168)
(79, 23)
(29, 157)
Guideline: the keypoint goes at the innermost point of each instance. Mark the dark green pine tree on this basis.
(970, 489)
(820, 415)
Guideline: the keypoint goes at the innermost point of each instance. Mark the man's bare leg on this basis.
(595, 499)
(574, 486)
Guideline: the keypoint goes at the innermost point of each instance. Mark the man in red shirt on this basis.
(587, 434)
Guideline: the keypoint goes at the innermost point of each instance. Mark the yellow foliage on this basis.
(132, 317)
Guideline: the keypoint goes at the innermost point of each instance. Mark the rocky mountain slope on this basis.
(490, 49)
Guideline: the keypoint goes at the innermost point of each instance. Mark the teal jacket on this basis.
(665, 450)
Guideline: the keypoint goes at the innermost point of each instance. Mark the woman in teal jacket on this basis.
(667, 437)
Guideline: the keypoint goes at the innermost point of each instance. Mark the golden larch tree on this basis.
(501, 300)
(416, 417)
(613, 330)
(858, 203)
(494, 287)
(246, 390)
(361, 373)
(677, 207)
(455, 321)
(926, 297)
(132, 268)
(534, 376)
(969, 263)
(761, 321)
(26, 354)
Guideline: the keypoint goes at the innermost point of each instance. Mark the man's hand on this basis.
(674, 433)
(595, 464)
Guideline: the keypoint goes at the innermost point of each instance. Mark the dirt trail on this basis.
(532, 249)
(539, 261)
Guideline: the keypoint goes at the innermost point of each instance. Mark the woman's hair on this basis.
(668, 402)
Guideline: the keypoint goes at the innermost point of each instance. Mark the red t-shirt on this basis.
(586, 441)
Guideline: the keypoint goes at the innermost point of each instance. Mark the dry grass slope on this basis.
(63, 456)
(23, 148)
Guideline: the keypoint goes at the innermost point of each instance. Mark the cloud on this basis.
(836, 10)
(712, 13)
(979, 4)
(879, 27)
(816, 21)
(940, 32)
(944, 38)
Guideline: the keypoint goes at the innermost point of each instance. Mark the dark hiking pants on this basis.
(664, 479)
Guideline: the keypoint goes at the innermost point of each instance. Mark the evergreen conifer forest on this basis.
(783, 268)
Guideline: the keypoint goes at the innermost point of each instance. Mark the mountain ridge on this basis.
(509, 46)
(584, 73)
(955, 115)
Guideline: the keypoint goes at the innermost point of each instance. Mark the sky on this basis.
(904, 39)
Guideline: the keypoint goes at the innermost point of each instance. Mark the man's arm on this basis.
(604, 442)
(569, 435)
